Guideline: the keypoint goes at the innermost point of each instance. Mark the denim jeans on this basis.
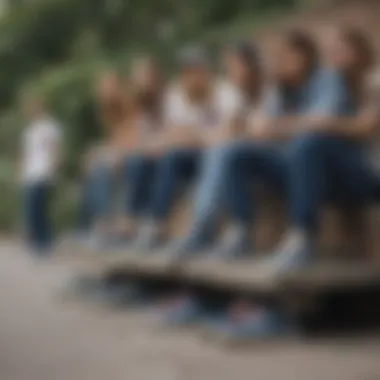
(173, 168)
(313, 169)
(36, 202)
(138, 174)
(310, 170)
(325, 168)
(96, 196)
(227, 174)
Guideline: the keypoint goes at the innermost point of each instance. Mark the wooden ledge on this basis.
(242, 275)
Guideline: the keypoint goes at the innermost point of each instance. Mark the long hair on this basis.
(305, 45)
(358, 41)
(114, 103)
(249, 54)
(149, 100)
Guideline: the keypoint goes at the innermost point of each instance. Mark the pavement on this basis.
(44, 338)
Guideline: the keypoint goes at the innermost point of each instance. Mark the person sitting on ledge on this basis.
(245, 74)
(330, 161)
(327, 162)
(102, 162)
(138, 165)
(194, 112)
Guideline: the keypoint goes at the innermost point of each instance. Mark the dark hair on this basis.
(361, 44)
(305, 45)
(150, 101)
(249, 54)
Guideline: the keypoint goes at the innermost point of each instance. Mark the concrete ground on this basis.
(42, 338)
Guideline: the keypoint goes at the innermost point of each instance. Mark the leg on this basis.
(171, 169)
(322, 167)
(43, 217)
(102, 180)
(319, 167)
(247, 163)
(86, 210)
(37, 222)
(138, 173)
(223, 178)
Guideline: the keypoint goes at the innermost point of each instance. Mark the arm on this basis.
(359, 127)
(231, 108)
(328, 91)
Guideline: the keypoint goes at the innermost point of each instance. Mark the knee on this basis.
(171, 160)
(135, 163)
(232, 154)
(308, 146)
(236, 154)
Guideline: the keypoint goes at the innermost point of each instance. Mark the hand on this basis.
(155, 148)
(260, 130)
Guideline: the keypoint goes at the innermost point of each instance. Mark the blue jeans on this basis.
(227, 174)
(172, 169)
(138, 173)
(36, 216)
(313, 169)
(325, 168)
(96, 196)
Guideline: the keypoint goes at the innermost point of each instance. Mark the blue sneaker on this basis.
(236, 244)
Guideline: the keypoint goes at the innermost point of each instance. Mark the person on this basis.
(245, 75)
(244, 86)
(196, 112)
(41, 150)
(138, 165)
(330, 162)
(101, 163)
(325, 160)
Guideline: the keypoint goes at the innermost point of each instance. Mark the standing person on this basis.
(195, 111)
(41, 156)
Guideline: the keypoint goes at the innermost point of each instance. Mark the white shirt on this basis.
(40, 146)
(226, 103)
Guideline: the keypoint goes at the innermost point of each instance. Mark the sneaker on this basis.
(188, 248)
(149, 238)
(235, 244)
(296, 251)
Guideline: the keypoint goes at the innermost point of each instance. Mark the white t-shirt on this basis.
(40, 146)
(226, 103)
